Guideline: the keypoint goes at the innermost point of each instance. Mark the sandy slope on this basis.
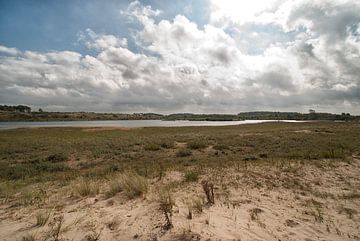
(262, 202)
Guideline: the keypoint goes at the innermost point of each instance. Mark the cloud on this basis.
(100, 41)
(9, 51)
(285, 55)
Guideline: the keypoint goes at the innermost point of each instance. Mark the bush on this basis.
(183, 152)
(57, 157)
(167, 144)
(221, 147)
(197, 144)
(152, 147)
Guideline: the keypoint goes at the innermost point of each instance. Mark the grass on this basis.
(132, 184)
(114, 188)
(197, 144)
(86, 187)
(42, 218)
(152, 147)
(62, 155)
(166, 203)
(29, 237)
(191, 176)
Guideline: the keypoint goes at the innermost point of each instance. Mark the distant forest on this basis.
(24, 113)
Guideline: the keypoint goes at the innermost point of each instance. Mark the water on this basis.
(126, 123)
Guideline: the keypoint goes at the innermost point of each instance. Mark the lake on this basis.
(126, 123)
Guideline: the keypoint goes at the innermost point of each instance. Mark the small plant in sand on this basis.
(191, 176)
(208, 188)
(32, 196)
(87, 188)
(133, 184)
(94, 236)
(254, 212)
(42, 218)
(166, 202)
(29, 237)
(56, 226)
(194, 205)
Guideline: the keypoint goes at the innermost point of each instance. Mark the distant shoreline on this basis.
(29, 116)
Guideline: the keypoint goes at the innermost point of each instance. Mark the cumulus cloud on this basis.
(285, 55)
(100, 41)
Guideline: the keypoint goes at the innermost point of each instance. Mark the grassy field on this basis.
(99, 161)
(50, 154)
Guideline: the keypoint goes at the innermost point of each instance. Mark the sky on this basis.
(200, 56)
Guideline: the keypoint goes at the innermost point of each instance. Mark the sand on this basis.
(277, 201)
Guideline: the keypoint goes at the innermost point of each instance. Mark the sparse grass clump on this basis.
(32, 196)
(191, 176)
(87, 188)
(194, 205)
(197, 144)
(132, 184)
(114, 188)
(183, 152)
(56, 226)
(208, 188)
(166, 203)
(42, 218)
(29, 237)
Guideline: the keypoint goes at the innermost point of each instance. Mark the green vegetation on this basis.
(24, 113)
(202, 117)
(197, 144)
(86, 188)
(183, 152)
(191, 176)
(15, 108)
(61, 155)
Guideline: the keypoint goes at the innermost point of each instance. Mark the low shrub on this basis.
(197, 144)
(183, 152)
(167, 144)
(191, 176)
(152, 147)
(57, 157)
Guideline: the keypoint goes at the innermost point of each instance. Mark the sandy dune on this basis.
(277, 201)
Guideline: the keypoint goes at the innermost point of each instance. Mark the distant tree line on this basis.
(312, 115)
(203, 117)
(23, 113)
(15, 108)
